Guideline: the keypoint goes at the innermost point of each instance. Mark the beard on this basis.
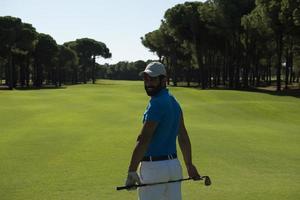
(152, 91)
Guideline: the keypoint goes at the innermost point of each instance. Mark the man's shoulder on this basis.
(155, 101)
(163, 100)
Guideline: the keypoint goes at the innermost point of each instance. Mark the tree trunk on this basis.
(168, 70)
(94, 70)
(237, 77)
(199, 58)
(258, 77)
(224, 71)
(84, 74)
(279, 63)
(40, 75)
(230, 66)
(237, 61)
(257, 71)
(27, 72)
(246, 62)
(174, 67)
(15, 72)
(200, 71)
(34, 74)
(237, 71)
(270, 71)
(74, 75)
(22, 74)
(11, 73)
(291, 56)
(38, 68)
(287, 68)
(1, 74)
(231, 74)
(212, 71)
(292, 73)
(188, 76)
(252, 78)
(246, 72)
(217, 71)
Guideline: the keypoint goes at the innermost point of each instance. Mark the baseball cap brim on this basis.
(150, 73)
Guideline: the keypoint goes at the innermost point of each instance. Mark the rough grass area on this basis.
(75, 143)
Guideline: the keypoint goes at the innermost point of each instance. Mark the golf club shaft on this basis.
(149, 184)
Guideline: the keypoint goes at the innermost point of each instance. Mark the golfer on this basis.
(155, 150)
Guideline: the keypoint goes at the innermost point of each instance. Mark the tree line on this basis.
(29, 58)
(232, 43)
(122, 70)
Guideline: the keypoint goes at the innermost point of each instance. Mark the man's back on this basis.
(164, 109)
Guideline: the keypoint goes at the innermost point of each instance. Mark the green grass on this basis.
(75, 143)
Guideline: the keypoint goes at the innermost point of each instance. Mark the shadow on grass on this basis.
(288, 92)
(294, 92)
(114, 81)
(45, 87)
(102, 83)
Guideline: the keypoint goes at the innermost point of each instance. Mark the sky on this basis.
(118, 23)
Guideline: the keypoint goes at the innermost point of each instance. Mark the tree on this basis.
(87, 50)
(257, 43)
(10, 28)
(272, 11)
(154, 42)
(232, 12)
(100, 49)
(67, 59)
(186, 25)
(169, 50)
(289, 18)
(124, 70)
(44, 55)
(26, 45)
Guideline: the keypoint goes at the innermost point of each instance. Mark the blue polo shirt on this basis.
(165, 110)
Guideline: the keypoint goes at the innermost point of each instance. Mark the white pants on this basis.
(160, 171)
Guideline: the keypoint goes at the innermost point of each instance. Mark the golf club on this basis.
(207, 182)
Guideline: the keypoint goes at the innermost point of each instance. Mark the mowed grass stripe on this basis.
(75, 143)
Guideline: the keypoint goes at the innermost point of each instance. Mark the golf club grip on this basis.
(130, 186)
(122, 188)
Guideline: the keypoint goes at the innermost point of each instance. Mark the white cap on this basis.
(155, 69)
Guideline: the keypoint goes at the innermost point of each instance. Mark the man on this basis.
(155, 150)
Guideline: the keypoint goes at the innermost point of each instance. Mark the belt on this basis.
(160, 158)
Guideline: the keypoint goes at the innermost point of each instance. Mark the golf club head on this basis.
(207, 181)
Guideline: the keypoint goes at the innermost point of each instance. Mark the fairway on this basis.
(75, 143)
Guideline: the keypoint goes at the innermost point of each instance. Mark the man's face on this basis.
(152, 85)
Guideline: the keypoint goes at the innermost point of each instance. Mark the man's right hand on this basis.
(193, 172)
(132, 179)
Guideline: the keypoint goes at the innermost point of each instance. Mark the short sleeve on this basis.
(154, 112)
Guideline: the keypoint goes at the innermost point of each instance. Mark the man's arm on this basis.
(143, 141)
(185, 146)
